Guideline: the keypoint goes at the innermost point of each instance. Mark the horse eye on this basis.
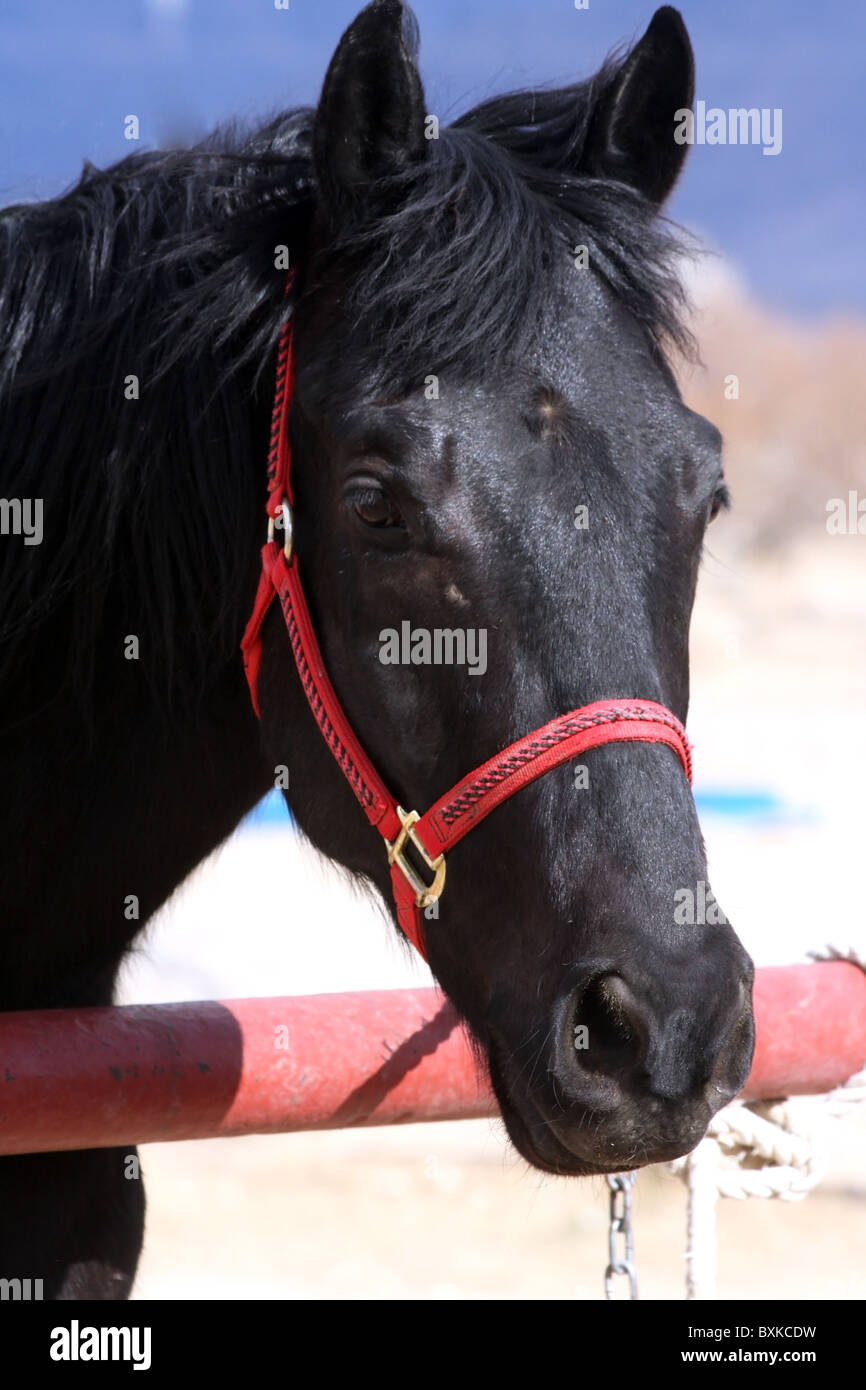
(721, 501)
(372, 505)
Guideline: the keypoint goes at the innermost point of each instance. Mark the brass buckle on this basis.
(425, 894)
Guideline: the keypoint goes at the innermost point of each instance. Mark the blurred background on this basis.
(779, 643)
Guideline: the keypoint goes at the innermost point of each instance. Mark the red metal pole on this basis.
(810, 1022)
(92, 1078)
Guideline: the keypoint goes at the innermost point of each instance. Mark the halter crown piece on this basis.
(439, 829)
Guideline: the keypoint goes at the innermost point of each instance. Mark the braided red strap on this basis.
(606, 721)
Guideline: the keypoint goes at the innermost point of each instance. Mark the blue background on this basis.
(71, 70)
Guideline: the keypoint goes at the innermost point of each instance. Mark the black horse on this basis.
(481, 319)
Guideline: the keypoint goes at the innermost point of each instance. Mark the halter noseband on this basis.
(438, 830)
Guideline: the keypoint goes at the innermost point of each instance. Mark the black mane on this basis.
(163, 267)
(460, 272)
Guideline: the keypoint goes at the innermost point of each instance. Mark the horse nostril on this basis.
(610, 1034)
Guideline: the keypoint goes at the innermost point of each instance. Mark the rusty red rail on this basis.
(91, 1078)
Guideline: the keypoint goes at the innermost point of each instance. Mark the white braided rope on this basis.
(759, 1149)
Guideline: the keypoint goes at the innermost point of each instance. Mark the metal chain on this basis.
(622, 1260)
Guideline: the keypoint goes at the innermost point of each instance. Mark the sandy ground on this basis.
(448, 1211)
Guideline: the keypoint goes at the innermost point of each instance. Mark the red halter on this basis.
(481, 791)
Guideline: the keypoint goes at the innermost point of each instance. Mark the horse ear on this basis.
(371, 116)
(631, 136)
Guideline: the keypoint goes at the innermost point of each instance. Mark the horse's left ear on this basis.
(631, 136)
(370, 119)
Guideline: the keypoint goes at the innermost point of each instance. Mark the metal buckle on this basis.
(289, 527)
(425, 894)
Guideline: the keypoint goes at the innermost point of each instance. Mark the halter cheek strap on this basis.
(439, 829)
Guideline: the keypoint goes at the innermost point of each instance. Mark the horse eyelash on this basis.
(721, 500)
